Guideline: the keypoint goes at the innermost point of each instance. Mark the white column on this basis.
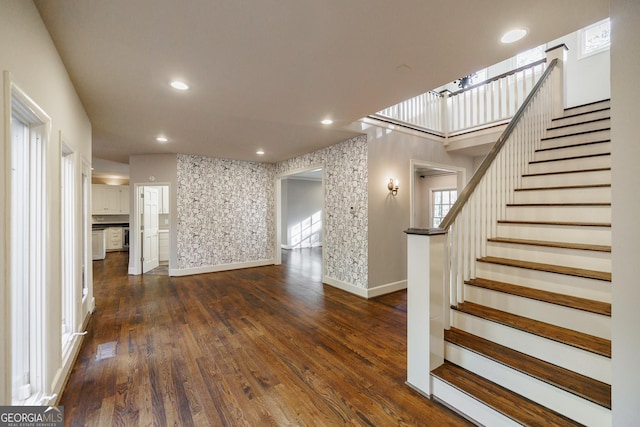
(425, 306)
(559, 95)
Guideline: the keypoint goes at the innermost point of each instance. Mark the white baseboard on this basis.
(386, 289)
(364, 292)
(289, 247)
(219, 267)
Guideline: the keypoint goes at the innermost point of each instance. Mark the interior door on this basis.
(150, 228)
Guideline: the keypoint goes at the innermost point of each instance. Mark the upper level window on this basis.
(529, 56)
(595, 38)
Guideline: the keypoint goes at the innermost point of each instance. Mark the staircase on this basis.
(531, 343)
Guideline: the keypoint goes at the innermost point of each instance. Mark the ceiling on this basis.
(264, 73)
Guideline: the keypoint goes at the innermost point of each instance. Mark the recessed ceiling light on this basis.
(162, 139)
(260, 152)
(326, 121)
(177, 84)
(513, 35)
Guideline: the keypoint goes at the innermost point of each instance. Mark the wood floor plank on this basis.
(566, 336)
(580, 385)
(261, 346)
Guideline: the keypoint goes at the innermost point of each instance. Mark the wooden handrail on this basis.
(490, 157)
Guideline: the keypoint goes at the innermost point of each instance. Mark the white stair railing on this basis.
(474, 216)
(488, 103)
(492, 102)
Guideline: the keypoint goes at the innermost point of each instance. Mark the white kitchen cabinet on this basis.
(163, 246)
(98, 244)
(110, 199)
(114, 238)
(123, 198)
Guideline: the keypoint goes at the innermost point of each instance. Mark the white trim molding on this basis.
(366, 292)
(220, 267)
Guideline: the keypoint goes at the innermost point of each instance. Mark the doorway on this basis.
(149, 239)
(434, 189)
(299, 223)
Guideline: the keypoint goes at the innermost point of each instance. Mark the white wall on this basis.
(591, 72)
(303, 202)
(27, 52)
(625, 128)
(389, 155)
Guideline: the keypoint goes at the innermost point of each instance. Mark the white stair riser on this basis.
(577, 320)
(555, 233)
(559, 213)
(564, 195)
(583, 126)
(572, 358)
(587, 108)
(575, 178)
(563, 402)
(571, 164)
(468, 406)
(566, 152)
(575, 258)
(598, 290)
(580, 138)
(595, 115)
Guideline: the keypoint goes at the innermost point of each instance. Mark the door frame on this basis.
(278, 209)
(135, 237)
(414, 165)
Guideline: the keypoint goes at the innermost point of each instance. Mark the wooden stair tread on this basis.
(551, 268)
(511, 404)
(560, 204)
(580, 385)
(563, 245)
(601, 119)
(568, 109)
(579, 144)
(585, 156)
(584, 113)
(585, 132)
(565, 172)
(566, 336)
(564, 187)
(559, 223)
(591, 306)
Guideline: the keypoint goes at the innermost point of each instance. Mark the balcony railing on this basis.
(492, 102)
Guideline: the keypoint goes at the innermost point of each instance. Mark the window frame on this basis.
(582, 40)
(434, 204)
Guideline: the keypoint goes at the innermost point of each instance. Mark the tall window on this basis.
(27, 248)
(442, 202)
(68, 200)
(595, 38)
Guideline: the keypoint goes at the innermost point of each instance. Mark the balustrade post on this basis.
(426, 299)
(558, 91)
(444, 113)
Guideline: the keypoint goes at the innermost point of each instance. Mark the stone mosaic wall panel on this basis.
(225, 211)
(345, 240)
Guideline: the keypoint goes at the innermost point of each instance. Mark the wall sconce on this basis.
(393, 186)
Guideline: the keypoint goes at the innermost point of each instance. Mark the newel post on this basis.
(559, 90)
(444, 113)
(425, 305)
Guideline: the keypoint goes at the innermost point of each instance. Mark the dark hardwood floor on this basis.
(254, 347)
